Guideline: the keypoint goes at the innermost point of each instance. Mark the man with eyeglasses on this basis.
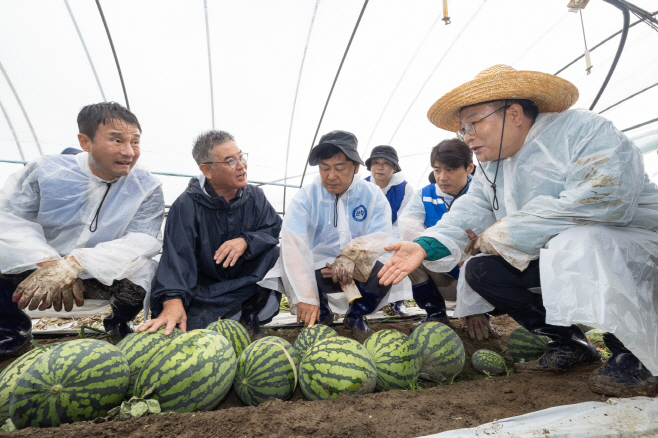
(220, 240)
(562, 196)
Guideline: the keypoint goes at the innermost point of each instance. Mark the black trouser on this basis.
(502, 285)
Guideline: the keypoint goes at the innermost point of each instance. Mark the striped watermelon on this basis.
(488, 362)
(525, 346)
(397, 359)
(73, 381)
(10, 375)
(441, 350)
(139, 347)
(335, 366)
(595, 336)
(192, 373)
(310, 335)
(265, 370)
(232, 330)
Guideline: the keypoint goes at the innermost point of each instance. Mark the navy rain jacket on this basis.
(196, 227)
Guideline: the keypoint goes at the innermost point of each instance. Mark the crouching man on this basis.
(80, 226)
(220, 239)
(333, 233)
(565, 218)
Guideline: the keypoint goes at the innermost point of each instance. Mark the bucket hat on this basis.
(343, 140)
(387, 152)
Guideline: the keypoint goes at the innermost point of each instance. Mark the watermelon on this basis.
(232, 330)
(73, 381)
(397, 359)
(525, 346)
(192, 373)
(10, 375)
(595, 336)
(310, 335)
(139, 347)
(335, 366)
(265, 370)
(488, 362)
(441, 350)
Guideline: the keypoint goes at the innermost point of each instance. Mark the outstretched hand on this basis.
(407, 258)
(173, 313)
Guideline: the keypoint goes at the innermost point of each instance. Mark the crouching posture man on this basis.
(80, 226)
(563, 197)
(220, 239)
(333, 233)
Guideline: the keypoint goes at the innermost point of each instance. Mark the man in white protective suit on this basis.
(80, 226)
(562, 196)
(334, 231)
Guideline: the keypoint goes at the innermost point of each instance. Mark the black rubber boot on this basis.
(359, 308)
(399, 308)
(15, 325)
(568, 346)
(428, 297)
(123, 311)
(251, 308)
(623, 374)
(326, 315)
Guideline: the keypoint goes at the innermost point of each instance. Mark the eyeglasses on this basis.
(231, 162)
(469, 128)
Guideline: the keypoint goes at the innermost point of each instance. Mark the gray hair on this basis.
(206, 141)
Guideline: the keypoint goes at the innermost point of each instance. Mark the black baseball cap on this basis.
(387, 152)
(343, 140)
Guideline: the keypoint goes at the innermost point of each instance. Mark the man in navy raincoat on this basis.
(220, 239)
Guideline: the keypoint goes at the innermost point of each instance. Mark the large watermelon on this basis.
(192, 373)
(397, 359)
(441, 350)
(73, 381)
(139, 347)
(335, 366)
(265, 370)
(488, 362)
(310, 335)
(10, 375)
(232, 330)
(525, 346)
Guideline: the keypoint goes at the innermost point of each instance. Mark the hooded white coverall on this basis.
(576, 197)
(47, 207)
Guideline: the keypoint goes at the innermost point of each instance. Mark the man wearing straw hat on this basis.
(562, 196)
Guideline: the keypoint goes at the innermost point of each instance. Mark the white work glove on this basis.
(480, 243)
(50, 285)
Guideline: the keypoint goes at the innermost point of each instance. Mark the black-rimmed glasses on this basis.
(469, 128)
(231, 162)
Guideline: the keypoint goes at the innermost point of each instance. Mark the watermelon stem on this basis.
(83, 335)
(37, 345)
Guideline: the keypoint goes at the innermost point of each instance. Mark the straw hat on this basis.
(550, 93)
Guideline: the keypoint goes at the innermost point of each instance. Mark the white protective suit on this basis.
(578, 178)
(309, 238)
(47, 207)
(402, 290)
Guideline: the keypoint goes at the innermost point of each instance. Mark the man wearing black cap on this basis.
(386, 173)
(333, 233)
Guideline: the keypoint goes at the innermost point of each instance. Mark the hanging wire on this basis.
(294, 102)
(588, 61)
(212, 94)
(116, 59)
(629, 97)
(84, 46)
(324, 110)
(20, 104)
(446, 17)
(452, 44)
(11, 128)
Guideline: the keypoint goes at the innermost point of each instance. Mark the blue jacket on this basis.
(395, 196)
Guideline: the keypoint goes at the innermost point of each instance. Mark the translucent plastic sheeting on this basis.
(619, 418)
(257, 48)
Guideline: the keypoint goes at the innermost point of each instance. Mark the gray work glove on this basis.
(51, 285)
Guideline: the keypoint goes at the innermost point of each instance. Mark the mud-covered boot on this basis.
(15, 325)
(623, 375)
(428, 297)
(399, 308)
(123, 312)
(251, 308)
(355, 318)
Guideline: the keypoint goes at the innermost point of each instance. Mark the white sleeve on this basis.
(412, 219)
(22, 242)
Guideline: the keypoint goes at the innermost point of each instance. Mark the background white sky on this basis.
(402, 59)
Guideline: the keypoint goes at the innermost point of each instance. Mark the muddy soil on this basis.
(472, 399)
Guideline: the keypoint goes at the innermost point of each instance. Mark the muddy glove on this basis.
(343, 270)
(480, 243)
(50, 285)
(479, 326)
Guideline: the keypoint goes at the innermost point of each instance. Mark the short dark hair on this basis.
(206, 141)
(328, 152)
(453, 153)
(96, 114)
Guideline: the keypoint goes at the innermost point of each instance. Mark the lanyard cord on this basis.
(95, 219)
(494, 203)
(454, 199)
(336, 204)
